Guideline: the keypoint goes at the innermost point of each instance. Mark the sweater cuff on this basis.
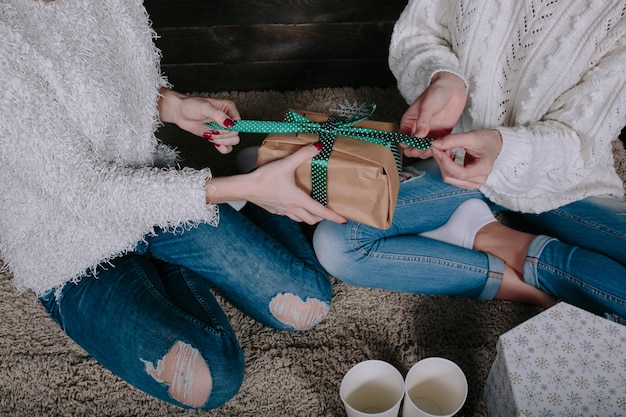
(512, 168)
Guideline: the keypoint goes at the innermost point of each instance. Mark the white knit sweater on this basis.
(82, 176)
(549, 75)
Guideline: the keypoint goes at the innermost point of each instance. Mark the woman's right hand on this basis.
(191, 112)
(435, 112)
(273, 187)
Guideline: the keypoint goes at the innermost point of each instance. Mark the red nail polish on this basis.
(229, 123)
(207, 135)
(344, 223)
(217, 145)
(318, 145)
(215, 132)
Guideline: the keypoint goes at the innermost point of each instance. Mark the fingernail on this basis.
(228, 123)
(217, 145)
(207, 135)
(318, 145)
(344, 223)
(215, 132)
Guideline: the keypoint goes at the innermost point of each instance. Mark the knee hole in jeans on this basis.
(185, 372)
(289, 309)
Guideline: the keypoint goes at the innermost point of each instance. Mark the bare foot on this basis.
(513, 288)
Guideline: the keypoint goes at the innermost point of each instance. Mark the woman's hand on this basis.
(435, 112)
(482, 147)
(190, 113)
(273, 187)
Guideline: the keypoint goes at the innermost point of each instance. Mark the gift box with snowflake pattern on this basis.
(562, 362)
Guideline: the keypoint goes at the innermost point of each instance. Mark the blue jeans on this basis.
(582, 262)
(151, 317)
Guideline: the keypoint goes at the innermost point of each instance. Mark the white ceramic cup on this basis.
(434, 387)
(372, 388)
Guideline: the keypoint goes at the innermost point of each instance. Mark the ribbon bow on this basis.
(294, 123)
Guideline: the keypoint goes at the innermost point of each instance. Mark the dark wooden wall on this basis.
(243, 45)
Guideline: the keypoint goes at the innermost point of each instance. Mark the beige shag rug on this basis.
(43, 373)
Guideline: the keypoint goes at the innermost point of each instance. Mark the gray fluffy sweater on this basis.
(82, 177)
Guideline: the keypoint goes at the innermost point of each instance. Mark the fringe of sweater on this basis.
(83, 178)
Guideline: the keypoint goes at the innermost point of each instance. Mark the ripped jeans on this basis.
(578, 255)
(151, 317)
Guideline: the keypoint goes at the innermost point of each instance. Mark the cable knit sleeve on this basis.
(421, 45)
(566, 155)
(550, 76)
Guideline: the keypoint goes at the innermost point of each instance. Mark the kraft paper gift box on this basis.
(562, 362)
(355, 174)
(363, 178)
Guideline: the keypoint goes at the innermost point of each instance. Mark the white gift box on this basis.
(562, 362)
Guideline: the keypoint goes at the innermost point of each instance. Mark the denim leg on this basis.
(580, 277)
(400, 260)
(595, 223)
(279, 286)
(586, 266)
(131, 322)
(286, 232)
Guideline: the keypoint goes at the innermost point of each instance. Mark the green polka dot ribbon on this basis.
(294, 123)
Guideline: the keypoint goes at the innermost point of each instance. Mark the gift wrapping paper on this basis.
(562, 362)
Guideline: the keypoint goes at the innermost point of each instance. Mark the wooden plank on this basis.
(233, 44)
(198, 13)
(280, 76)
(274, 44)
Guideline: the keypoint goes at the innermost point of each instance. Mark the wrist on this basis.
(168, 104)
(220, 190)
(498, 140)
(448, 78)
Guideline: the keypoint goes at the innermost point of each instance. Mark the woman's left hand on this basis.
(482, 147)
(190, 113)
